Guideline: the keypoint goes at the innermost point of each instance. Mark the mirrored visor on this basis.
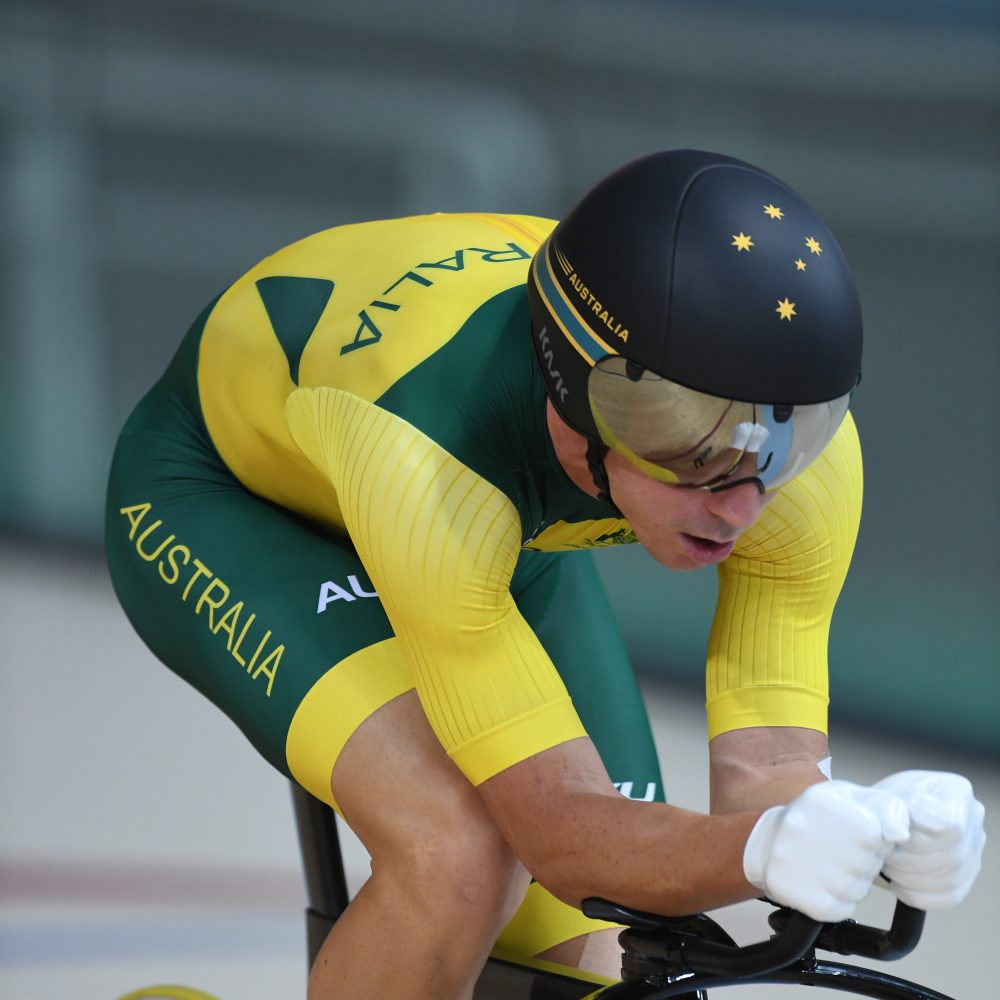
(685, 437)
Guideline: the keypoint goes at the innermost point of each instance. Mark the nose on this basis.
(739, 507)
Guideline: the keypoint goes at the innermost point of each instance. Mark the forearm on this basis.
(645, 855)
(580, 838)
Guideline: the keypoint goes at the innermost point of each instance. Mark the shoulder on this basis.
(816, 516)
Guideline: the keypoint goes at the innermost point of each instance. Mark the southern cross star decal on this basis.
(786, 309)
(774, 245)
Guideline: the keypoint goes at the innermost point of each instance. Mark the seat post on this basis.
(323, 867)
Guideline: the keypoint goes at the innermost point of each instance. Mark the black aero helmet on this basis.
(692, 309)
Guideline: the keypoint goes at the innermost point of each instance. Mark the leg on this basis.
(275, 622)
(240, 598)
(444, 882)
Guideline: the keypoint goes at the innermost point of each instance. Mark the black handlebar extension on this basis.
(698, 944)
(851, 938)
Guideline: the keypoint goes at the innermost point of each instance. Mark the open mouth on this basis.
(705, 550)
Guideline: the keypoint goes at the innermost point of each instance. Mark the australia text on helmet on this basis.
(592, 300)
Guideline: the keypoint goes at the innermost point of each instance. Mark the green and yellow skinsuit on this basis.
(343, 488)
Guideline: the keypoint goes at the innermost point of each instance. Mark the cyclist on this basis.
(356, 512)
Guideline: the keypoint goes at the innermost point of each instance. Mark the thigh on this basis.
(251, 605)
(407, 800)
(563, 599)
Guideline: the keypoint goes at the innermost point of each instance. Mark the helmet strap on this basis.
(596, 451)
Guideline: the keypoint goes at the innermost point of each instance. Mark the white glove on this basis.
(821, 852)
(935, 868)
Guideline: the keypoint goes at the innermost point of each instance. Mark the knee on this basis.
(454, 860)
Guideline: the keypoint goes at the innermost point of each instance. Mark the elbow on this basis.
(563, 879)
(560, 859)
(573, 864)
(573, 885)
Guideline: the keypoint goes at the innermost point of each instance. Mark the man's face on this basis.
(682, 528)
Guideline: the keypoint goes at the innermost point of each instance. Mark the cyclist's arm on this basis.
(767, 665)
(440, 544)
(579, 837)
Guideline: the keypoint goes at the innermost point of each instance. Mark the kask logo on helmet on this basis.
(557, 385)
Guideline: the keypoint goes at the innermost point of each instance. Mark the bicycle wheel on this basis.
(168, 993)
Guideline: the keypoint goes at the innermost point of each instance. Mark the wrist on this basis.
(701, 868)
(758, 846)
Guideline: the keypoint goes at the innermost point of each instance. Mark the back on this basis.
(359, 308)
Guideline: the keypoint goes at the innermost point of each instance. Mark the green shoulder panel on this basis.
(481, 398)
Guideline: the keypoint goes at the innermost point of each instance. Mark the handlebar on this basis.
(851, 938)
(697, 944)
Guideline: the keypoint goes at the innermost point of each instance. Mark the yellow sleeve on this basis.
(440, 544)
(767, 655)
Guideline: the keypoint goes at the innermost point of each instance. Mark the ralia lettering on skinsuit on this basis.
(330, 592)
(172, 559)
(368, 331)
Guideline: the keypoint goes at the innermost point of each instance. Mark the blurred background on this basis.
(152, 151)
